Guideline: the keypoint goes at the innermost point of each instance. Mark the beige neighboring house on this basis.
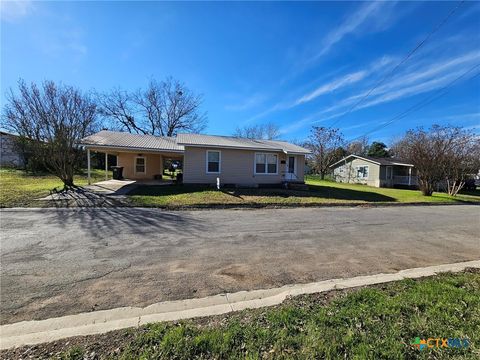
(206, 158)
(378, 172)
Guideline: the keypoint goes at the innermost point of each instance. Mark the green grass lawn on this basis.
(376, 322)
(320, 192)
(17, 188)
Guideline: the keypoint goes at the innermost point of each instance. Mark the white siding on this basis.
(347, 172)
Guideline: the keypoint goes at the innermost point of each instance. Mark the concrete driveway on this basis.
(62, 261)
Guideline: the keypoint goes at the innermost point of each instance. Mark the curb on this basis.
(249, 206)
(97, 322)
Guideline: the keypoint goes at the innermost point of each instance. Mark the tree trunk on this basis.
(455, 187)
(322, 175)
(426, 188)
(68, 182)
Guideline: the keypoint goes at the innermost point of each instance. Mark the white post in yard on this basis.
(409, 175)
(106, 166)
(88, 167)
(218, 183)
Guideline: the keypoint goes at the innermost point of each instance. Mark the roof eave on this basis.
(402, 164)
(298, 152)
(356, 156)
(131, 148)
(230, 147)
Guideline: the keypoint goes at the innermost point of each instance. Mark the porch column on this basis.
(161, 165)
(409, 175)
(106, 166)
(88, 167)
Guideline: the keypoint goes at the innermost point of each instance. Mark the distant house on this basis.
(378, 172)
(235, 161)
(10, 155)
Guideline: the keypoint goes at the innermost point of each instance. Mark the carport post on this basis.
(409, 175)
(106, 166)
(88, 167)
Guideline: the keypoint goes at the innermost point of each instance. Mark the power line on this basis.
(405, 59)
(429, 99)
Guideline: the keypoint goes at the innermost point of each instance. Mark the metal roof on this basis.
(119, 140)
(200, 140)
(123, 140)
(376, 160)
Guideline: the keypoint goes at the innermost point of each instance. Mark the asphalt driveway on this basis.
(63, 261)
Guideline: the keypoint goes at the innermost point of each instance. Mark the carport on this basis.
(141, 156)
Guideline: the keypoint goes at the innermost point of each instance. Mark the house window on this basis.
(213, 162)
(140, 165)
(266, 163)
(362, 172)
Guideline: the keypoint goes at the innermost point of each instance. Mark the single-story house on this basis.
(378, 172)
(234, 161)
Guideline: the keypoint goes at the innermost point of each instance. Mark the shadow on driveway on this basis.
(102, 222)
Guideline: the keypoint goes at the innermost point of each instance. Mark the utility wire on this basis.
(405, 59)
(429, 99)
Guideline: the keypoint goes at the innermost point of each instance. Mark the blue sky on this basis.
(294, 64)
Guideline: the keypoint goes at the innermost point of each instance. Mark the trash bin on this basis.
(117, 172)
(179, 178)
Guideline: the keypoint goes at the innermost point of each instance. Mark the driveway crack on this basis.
(95, 277)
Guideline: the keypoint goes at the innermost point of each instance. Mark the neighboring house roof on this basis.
(374, 160)
(127, 141)
(198, 140)
(7, 133)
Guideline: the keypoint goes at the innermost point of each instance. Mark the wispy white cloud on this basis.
(332, 86)
(248, 103)
(67, 40)
(12, 11)
(370, 16)
(414, 80)
(342, 82)
(425, 79)
(360, 125)
(467, 116)
(350, 25)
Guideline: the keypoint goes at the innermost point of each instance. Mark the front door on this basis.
(389, 176)
(291, 168)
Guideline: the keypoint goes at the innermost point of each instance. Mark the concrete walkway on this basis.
(35, 332)
(108, 193)
(112, 187)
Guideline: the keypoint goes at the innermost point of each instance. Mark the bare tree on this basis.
(327, 146)
(268, 131)
(443, 154)
(462, 160)
(272, 131)
(150, 105)
(118, 106)
(164, 108)
(51, 120)
(358, 147)
(181, 109)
